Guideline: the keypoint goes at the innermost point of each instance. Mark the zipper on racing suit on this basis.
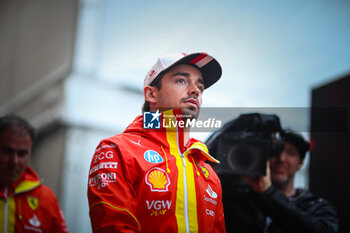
(6, 210)
(185, 193)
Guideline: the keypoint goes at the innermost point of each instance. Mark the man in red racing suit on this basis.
(30, 206)
(156, 180)
(26, 205)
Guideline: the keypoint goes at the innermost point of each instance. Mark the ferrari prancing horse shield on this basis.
(33, 202)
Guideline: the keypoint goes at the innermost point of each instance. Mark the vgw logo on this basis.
(151, 120)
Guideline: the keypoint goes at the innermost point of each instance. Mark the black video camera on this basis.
(244, 144)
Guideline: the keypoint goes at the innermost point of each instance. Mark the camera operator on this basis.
(258, 165)
(285, 208)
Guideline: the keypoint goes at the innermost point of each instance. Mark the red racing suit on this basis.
(29, 206)
(146, 180)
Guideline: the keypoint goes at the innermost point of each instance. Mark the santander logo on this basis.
(211, 192)
(34, 221)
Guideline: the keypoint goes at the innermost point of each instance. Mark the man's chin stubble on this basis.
(281, 183)
(190, 113)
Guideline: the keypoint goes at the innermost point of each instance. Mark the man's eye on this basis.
(181, 80)
(291, 152)
(201, 88)
(22, 153)
(6, 150)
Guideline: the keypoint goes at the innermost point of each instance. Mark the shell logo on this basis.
(158, 180)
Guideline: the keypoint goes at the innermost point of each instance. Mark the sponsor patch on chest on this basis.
(158, 207)
(157, 179)
(152, 156)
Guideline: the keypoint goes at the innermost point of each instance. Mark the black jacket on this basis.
(273, 212)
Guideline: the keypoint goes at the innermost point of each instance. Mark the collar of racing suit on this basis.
(28, 180)
(159, 135)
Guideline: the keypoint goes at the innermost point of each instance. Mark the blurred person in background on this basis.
(155, 179)
(26, 205)
(275, 205)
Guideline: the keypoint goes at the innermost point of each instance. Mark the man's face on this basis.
(181, 87)
(284, 167)
(15, 152)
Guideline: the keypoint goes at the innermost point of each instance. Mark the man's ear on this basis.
(151, 94)
(300, 164)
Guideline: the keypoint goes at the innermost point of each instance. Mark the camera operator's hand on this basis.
(261, 183)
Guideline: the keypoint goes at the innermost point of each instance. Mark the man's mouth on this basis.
(192, 102)
(279, 169)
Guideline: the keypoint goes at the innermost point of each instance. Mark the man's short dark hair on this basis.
(14, 120)
(298, 141)
(156, 83)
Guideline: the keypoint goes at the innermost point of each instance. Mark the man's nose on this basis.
(194, 89)
(282, 156)
(14, 158)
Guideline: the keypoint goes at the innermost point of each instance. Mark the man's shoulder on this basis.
(43, 192)
(306, 197)
(313, 203)
(123, 146)
(119, 139)
(304, 194)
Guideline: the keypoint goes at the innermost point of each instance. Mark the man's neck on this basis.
(288, 189)
(186, 136)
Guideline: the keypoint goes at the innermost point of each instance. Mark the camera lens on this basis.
(243, 157)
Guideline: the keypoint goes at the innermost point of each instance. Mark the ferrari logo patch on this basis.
(33, 202)
(204, 170)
